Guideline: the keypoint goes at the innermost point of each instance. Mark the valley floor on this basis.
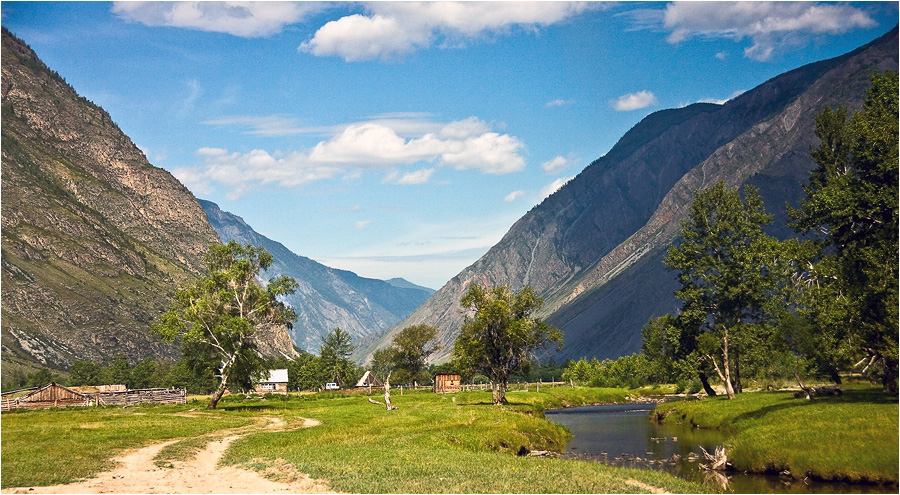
(139, 471)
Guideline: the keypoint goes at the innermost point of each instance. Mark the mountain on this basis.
(327, 298)
(95, 239)
(593, 250)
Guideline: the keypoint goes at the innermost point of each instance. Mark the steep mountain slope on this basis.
(593, 249)
(94, 238)
(327, 298)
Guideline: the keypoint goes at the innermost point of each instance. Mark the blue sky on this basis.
(404, 139)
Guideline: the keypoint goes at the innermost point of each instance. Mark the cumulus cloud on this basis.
(245, 19)
(390, 29)
(770, 26)
(417, 177)
(634, 101)
(467, 144)
(513, 196)
(555, 165)
(721, 101)
(554, 186)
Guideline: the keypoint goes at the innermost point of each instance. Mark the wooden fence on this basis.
(55, 395)
(141, 396)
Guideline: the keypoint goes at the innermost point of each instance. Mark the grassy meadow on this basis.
(432, 444)
(852, 437)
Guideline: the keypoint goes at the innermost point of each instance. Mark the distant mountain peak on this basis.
(327, 298)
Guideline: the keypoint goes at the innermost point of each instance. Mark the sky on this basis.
(405, 139)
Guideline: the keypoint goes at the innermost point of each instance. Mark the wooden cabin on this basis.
(277, 383)
(369, 381)
(52, 395)
(445, 383)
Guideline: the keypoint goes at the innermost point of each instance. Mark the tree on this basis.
(216, 315)
(84, 373)
(851, 205)
(337, 347)
(501, 335)
(723, 262)
(409, 352)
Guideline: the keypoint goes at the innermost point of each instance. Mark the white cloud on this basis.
(245, 19)
(467, 144)
(513, 196)
(634, 101)
(718, 101)
(390, 29)
(771, 26)
(558, 103)
(362, 224)
(554, 186)
(555, 165)
(417, 177)
(721, 55)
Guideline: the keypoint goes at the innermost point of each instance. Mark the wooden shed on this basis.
(445, 383)
(368, 381)
(277, 383)
(52, 395)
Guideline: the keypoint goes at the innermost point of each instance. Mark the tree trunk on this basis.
(889, 378)
(729, 387)
(498, 391)
(704, 380)
(726, 375)
(220, 391)
(387, 393)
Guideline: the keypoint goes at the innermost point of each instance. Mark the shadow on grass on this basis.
(851, 396)
(250, 407)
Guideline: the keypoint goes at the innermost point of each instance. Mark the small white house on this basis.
(276, 383)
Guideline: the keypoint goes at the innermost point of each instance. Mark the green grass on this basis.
(443, 443)
(79, 442)
(434, 443)
(851, 437)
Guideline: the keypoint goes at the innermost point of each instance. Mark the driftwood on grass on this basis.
(387, 395)
(810, 392)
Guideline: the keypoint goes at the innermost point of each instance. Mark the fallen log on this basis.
(718, 461)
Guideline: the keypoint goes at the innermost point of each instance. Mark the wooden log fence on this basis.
(141, 396)
(54, 395)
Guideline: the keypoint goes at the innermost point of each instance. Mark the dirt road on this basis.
(137, 472)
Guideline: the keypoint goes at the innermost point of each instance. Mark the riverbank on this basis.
(433, 443)
(852, 437)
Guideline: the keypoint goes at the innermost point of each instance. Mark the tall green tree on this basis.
(851, 206)
(723, 261)
(335, 353)
(500, 335)
(216, 315)
(409, 352)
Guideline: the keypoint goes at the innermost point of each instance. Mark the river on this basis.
(623, 435)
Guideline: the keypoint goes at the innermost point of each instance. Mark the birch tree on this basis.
(502, 334)
(217, 314)
(723, 262)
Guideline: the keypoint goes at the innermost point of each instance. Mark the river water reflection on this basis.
(623, 435)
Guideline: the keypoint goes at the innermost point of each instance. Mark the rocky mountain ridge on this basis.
(95, 239)
(593, 249)
(327, 298)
